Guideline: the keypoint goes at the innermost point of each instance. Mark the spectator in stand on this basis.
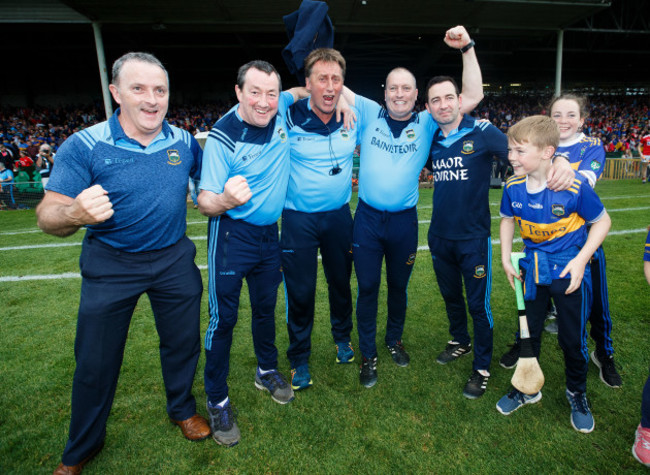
(44, 163)
(6, 187)
(644, 152)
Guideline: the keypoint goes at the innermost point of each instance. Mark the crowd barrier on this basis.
(21, 195)
(622, 168)
(27, 194)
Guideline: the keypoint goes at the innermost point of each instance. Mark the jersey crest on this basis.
(468, 147)
(173, 157)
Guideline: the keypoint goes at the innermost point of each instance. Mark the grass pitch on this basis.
(414, 420)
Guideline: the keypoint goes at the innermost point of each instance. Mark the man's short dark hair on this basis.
(437, 80)
(259, 65)
(134, 56)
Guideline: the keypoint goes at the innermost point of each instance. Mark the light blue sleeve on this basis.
(217, 159)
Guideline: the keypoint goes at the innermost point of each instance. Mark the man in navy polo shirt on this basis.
(125, 180)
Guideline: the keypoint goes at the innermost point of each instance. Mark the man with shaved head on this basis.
(395, 144)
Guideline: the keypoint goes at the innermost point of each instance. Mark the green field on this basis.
(414, 420)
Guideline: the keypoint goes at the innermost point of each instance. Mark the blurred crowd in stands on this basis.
(617, 120)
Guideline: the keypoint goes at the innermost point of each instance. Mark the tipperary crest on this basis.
(344, 134)
(173, 157)
(479, 271)
(468, 147)
(411, 259)
(595, 165)
(410, 134)
(282, 134)
(557, 210)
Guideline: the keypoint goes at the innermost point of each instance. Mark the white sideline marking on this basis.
(608, 210)
(496, 242)
(68, 244)
(73, 275)
(602, 198)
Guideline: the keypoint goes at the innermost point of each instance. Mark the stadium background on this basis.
(49, 47)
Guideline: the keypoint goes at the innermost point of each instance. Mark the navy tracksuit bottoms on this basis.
(238, 250)
(302, 235)
(379, 234)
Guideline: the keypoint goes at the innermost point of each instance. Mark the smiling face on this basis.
(526, 158)
(258, 98)
(400, 94)
(566, 113)
(142, 91)
(324, 84)
(444, 104)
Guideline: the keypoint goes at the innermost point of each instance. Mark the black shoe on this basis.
(608, 373)
(399, 354)
(475, 386)
(453, 351)
(509, 359)
(368, 374)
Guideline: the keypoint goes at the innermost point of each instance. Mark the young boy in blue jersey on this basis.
(553, 226)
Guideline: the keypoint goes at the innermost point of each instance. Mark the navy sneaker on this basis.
(608, 373)
(300, 377)
(453, 351)
(581, 418)
(368, 373)
(476, 385)
(344, 352)
(516, 399)
(510, 358)
(224, 425)
(275, 383)
(399, 354)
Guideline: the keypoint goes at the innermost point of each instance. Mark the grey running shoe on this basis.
(224, 425)
(551, 326)
(275, 383)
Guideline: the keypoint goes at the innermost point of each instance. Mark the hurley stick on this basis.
(528, 377)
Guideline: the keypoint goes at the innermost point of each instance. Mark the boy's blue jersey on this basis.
(646, 253)
(462, 165)
(586, 155)
(551, 221)
(259, 154)
(321, 161)
(393, 153)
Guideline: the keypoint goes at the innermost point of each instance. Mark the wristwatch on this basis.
(467, 47)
